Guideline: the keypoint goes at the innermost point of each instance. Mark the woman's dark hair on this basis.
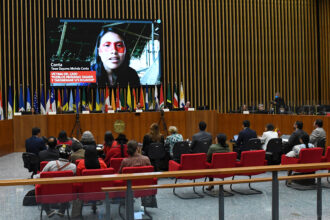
(62, 136)
(132, 147)
(91, 158)
(319, 123)
(305, 139)
(270, 127)
(222, 139)
(122, 140)
(52, 142)
(155, 134)
(108, 138)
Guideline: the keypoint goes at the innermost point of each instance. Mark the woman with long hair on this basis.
(154, 136)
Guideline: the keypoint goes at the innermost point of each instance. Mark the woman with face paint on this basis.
(112, 61)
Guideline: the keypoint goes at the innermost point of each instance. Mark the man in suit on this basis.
(245, 135)
(318, 133)
(295, 136)
(35, 144)
(51, 153)
(200, 138)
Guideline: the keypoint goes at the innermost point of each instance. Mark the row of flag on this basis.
(103, 100)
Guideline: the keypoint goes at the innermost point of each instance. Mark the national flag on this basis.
(122, 99)
(15, 101)
(134, 101)
(10, 105)
(89, 99)
(2, 117)
(118, 105)
(107, 100)
(21, 100)
(113, 100)
(35, 102)
(65, 100)
(47, 103)
(168, 95)
(161, 98)
(71, 101)
(175, 98)
(141, 98)
(28, 100)
(83, 100)
(42, 103)
(77, 101)
(52, 101)
(146, 100)
(182, 102)
(129, 99)
(102, 100)
(151, 101)
(97, 102)
(156, 99)
(59, 98)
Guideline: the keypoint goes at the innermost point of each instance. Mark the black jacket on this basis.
(295, 136)
(49, 155)
(200, 137)
(34, 145)
(245, 135)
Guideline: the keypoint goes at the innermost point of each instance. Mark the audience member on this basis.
(201, 136)
(117, 151)
(78, 151)
(61, 164)
(318, 133)
(246, 134)
(267, 135)
(295, 136)
(63, 139)
(172, 138)
(51, 153)
(87, 138)
(220, 146)
(304, 143)
(134, 158)
(109, 142)
(154, 136)
(35, 144)
(91, 161)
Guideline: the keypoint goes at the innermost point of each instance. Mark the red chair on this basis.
(55, 193)
(306, 155)
(43, 164)
(115, 163)
(91, 191)
(326, 158)
(189, 162)
(222, 160)
(77, 161)
(250, 159)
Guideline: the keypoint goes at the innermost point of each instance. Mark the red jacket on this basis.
(115, 152)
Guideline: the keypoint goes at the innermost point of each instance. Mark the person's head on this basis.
(121, 139)
(269, 127)
(76, 145)
(221, 139)
(318, 123)
(91, 157)
(108, 138)
(65, 151)
(261, 107)
(246, 123)
(172, 130)
(202, 125)
(35, 131)
(187, 104)
(304, 139)
(132, 147)
(277, 94)
(62, 136)
(244, 107)
(298, 125)
(87, 138)
(52, 142)
(155, 132)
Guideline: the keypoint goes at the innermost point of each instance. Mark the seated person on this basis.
(51, 153)
(35, 144)
(63, 139)
(172, 138)
(109, 142)
(267, 135)
(154, 136)
(134, 159)
(295, 136)
(61, 164)
(187, 106)
(117, 151)
(279, 103)
(87, 139)
(220, 146)
(261, 109)
(246, 134)
(91, 161)
(244, 108)
(202, 135)
(78, 151)
(318, 133)
(304, 143)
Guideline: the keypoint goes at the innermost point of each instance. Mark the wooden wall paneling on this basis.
(7, 137)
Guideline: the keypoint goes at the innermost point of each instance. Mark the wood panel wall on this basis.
(7, 137)
(225, 53)
(324, 16)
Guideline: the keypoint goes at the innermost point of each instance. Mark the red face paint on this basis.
(109, 46)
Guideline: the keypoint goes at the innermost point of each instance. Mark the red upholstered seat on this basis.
(115, 163)
(43, 164)
(326, 157)
(77, 161)
(222, 160)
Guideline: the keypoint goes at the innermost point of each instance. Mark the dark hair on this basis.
(270, 127)
(305, 139)
(319, 123)
(108, 138)
(65, 151)
(62, 136)
(131, 147)
(122, 140)
(52, 142)
(76, 145)
(202, 125)
(35, 131)
(91, 158)
(246, 123)
(222, 139)
(299, 124)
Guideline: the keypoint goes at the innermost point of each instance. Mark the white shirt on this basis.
(266, 136)
(296, 150)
